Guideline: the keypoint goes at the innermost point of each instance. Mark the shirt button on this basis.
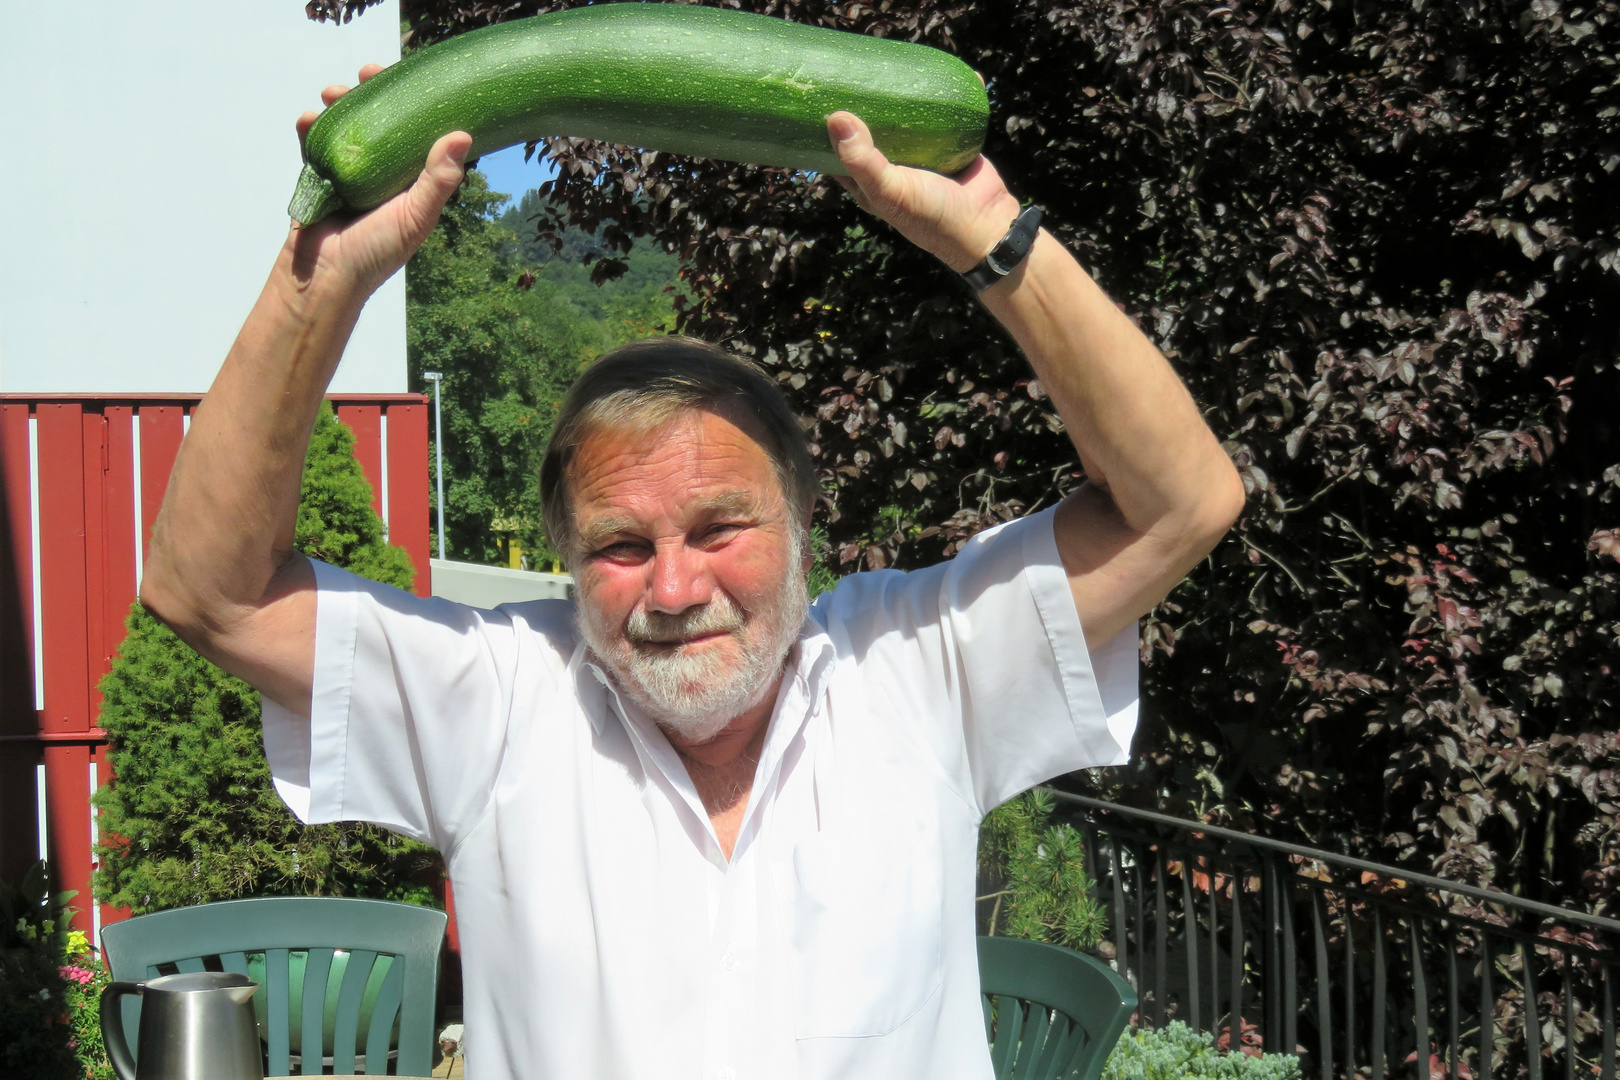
(727, 1073)
(729, 962)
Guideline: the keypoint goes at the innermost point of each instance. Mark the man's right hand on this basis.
(362, 252)
(222, 570)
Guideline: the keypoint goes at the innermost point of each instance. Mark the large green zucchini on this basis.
(693, 80)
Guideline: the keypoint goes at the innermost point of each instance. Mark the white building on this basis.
(150, 156)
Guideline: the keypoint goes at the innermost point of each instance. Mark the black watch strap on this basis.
(1006, 256)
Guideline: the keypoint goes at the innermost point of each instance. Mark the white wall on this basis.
(491, 586)
(150, 156)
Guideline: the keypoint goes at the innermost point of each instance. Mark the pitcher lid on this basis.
(195, 981)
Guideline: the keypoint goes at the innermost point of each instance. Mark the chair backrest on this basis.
(388, 955)
(1050, 1013)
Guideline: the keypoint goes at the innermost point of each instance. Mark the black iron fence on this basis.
(1362, 969)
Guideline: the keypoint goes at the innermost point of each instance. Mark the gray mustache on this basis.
(718, 616)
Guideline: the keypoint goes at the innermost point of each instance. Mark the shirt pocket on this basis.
(865, 926)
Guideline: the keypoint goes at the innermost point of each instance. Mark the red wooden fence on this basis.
(81, 480)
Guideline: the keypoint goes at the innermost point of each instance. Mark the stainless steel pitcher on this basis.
(195, 1026)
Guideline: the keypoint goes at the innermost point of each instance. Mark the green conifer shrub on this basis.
(192, 816)
(1036, 875)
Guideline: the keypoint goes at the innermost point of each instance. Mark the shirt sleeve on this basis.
(984, 657)
(409, 713)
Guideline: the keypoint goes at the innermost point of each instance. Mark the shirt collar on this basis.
(804, 680)
(803, 683)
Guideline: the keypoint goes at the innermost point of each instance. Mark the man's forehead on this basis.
(656, 431)
(697, 464)
(696, 450)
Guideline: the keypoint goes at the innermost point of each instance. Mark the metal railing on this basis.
(1362, 969)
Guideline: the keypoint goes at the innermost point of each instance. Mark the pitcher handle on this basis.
(112, 1027)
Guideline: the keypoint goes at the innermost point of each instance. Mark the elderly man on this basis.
(699, 827)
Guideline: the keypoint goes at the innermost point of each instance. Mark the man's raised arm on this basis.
(222, 571)
(1161, 491)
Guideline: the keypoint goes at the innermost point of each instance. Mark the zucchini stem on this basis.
(313, 199)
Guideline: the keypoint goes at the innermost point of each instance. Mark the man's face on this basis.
(689, 571)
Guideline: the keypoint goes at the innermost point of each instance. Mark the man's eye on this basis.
(623, 549)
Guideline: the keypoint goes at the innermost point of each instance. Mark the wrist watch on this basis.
(1005, 256)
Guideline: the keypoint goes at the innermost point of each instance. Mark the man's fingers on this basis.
(304, 123)
(328, 96)
(852, 141)
(872, 179)
(443, 172)
(337, 90)
(440, 177)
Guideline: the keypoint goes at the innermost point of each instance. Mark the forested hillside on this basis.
(635, 298)
(509, 321)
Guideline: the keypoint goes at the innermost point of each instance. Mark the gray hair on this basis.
(647, 383)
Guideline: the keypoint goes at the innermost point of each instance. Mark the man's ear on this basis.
(808, 559)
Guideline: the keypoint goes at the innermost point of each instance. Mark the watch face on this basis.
(1005, 256)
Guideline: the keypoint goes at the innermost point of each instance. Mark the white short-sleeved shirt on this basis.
(603, 933)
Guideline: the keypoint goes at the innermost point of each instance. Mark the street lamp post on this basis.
(438, 449)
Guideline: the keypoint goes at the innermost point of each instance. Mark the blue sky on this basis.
(507, 172)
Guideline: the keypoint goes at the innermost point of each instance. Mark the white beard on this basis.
(696, 694)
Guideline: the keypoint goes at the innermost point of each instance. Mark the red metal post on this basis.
(67, 779)
(19, 839)
(408, 487)
(94, 456)
(62, 567)
(366, 423)
(162, 427)
(65, 603)
(17, 576)
(118, 493)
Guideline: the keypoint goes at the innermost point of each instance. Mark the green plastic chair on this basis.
(1049, 1013)
(377, 962)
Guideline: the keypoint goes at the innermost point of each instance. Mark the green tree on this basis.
(507, 355)
(192, 816)
(509, 323)
(1379, 242)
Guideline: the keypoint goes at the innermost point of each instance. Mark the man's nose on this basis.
(680, 580)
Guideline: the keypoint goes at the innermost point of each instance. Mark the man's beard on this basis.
(697, 693)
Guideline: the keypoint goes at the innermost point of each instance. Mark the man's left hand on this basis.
(958, 219)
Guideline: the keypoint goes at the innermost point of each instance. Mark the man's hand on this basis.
(365, 251)
(958, 219)
(1161, 491)
(222, 569)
